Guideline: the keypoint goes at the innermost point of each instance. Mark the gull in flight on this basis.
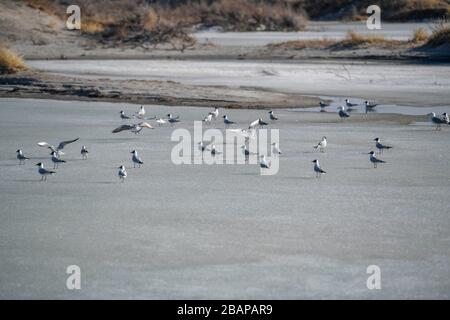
(57, 149)
(227, 121)
(122, 173)
(380, 146)
(56, 160)
(317, 169)
(322, 144)
(439, 121)
(44, 172)
(275, 149)
(136, 159)
(21, 157)
(374, 159)
(264, 164)
(342, 113)
(84, 152)
(135, 128)
(257, 123)
(272, 116)
(123, 116)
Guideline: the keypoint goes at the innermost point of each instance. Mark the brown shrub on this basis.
(352, 41)
(440, 36)
(10, 61)
(355, 40)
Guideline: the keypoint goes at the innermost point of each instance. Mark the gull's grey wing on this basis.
(123, 128)
(64, 143)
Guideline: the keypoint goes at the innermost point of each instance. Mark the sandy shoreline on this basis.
(34, 84)
(233, 83)
(258, 53)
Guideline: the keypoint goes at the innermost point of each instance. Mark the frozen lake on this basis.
(221, 231)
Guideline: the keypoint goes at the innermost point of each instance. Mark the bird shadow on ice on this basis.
(255, 174)
(103, 182)
(40, 158)
(111, 140)
(299, 178)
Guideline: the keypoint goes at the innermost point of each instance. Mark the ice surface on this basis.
(221, 231)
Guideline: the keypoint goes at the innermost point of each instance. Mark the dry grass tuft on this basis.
(419, 35)
(355, 41)
(10, 62)
(303, 44)
(440, 36)
(352, 41)
(151, 20)
(92, 26)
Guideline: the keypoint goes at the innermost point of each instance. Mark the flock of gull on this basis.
(344, 112)
(141, 121)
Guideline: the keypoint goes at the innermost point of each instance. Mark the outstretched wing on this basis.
(145, 125)
(47, 145)
(253, 124)
(123, 128)
(64, 143)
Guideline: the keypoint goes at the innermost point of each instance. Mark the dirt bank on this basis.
(32, 84)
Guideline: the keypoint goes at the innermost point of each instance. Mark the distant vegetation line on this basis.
(393, 10)
(150, 22)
